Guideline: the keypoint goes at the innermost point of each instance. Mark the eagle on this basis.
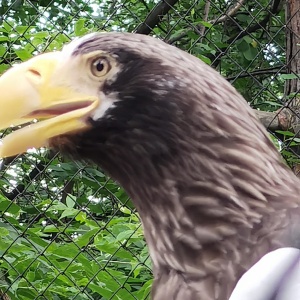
(212, 191)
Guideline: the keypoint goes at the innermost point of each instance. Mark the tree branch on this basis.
(274, 70)
(221, 19)
(259, 25)
(205, 19)
(283, 119)
(155, 16)
(6, 162)
(270, 120)
(232, 12)
(68, 188)
(36, 171)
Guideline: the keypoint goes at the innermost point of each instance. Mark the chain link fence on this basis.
(66, 230)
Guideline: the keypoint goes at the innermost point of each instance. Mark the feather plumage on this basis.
(211, 189)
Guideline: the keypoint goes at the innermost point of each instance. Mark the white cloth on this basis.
(275, 277)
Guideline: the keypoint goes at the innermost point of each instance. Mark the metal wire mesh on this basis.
(66, 230)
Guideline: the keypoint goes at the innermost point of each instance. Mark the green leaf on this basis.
(36, 42)
(275, 142)
(70, 201)
(273, 103)
(69, 212)
(79, 29)
(204, 59)
(41, 34)
(100, 290)
(125, 235)
(4, 246)
(23, 54)
(206, 24)
(3, 232)
(250, 53)
(57, 206)
(94, 172)
(26, 293)
(248, 39)
(125, 210)
(289, 76)
(10, 207)
(285, 133)
(293, 143)
(3, 67)
(85, 238)
(145, 290)
(114, 250)
(23, 29)
(30, 276)
(243, 46)
(81, 217)
(2, 51)
(7, 26)
(244, 18)
(51, 228)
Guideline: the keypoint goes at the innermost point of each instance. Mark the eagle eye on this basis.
(100, 66)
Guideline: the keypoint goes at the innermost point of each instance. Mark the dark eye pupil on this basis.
(99, 66)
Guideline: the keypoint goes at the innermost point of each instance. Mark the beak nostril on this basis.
(35, 72)
(34, 75)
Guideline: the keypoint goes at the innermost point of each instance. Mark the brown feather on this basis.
(210, 187)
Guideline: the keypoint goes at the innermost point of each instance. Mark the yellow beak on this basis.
(35, 90)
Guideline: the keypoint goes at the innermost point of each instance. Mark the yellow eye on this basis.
(100, 66)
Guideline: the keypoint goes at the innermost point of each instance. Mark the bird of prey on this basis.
(211, 189)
